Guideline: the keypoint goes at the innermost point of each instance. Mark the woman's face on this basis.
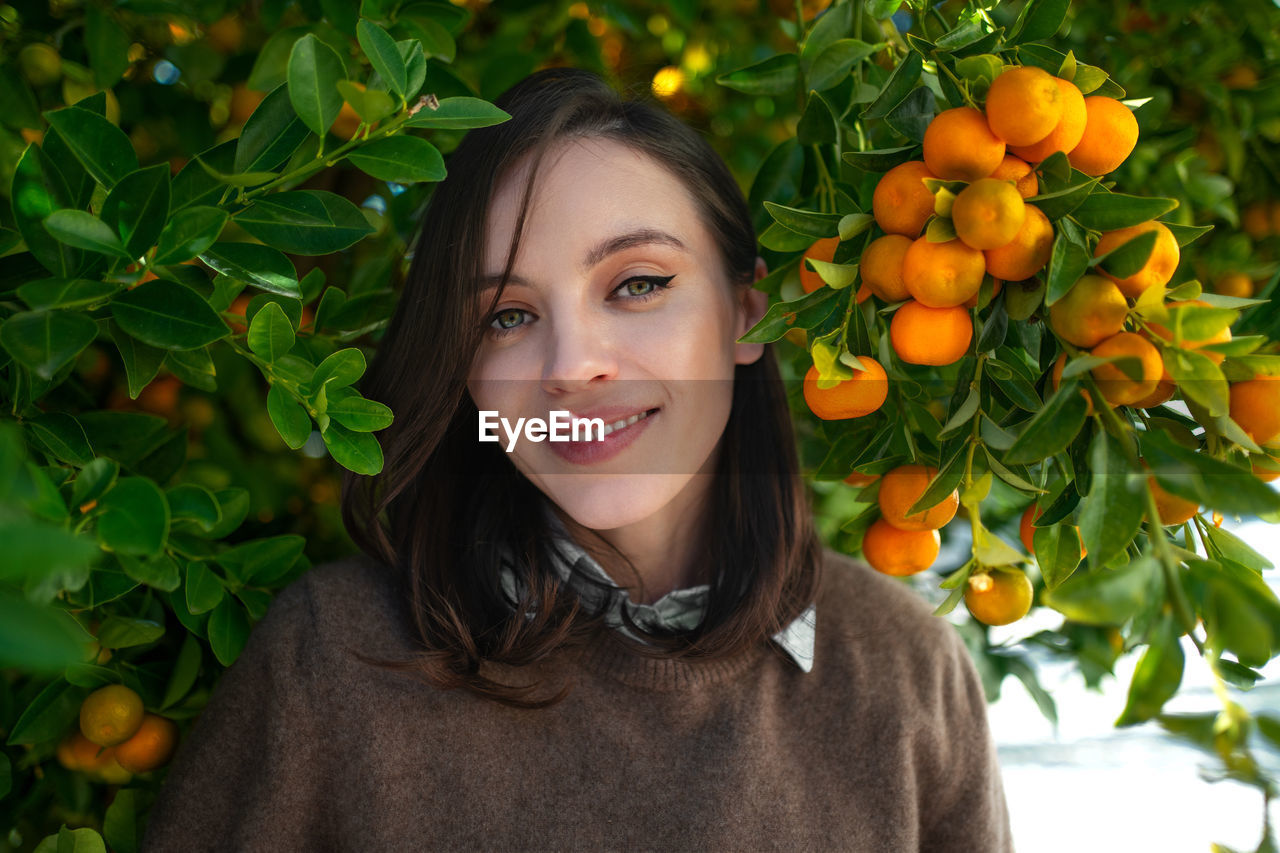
(618, 305)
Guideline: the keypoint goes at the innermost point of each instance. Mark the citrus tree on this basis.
(985, 320)
(209, 209)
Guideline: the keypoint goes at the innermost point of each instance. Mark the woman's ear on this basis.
(752, 308)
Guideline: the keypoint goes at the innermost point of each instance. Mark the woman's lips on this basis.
(592, 452)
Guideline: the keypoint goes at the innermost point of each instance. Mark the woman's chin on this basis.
(604, 502)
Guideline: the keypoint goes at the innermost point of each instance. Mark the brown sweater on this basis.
(884, 746)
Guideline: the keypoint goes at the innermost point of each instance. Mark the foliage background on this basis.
(185, 77)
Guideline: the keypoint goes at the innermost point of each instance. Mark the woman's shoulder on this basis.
(871, 616)
(358, 601)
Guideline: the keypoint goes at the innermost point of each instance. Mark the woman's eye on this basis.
(649, 285)
(636, 289)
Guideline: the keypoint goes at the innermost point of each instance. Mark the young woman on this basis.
(629, 643)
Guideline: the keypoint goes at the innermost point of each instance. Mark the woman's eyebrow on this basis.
(602, 250)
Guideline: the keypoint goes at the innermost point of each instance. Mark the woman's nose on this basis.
(579, 349)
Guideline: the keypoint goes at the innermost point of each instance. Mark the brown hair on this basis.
(446, 508)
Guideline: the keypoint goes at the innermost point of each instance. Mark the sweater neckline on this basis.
(664, 674)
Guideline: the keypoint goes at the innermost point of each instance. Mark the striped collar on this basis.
(679, 608)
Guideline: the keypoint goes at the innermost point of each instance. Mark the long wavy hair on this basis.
(447, 510)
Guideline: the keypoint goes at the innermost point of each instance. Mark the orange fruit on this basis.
(1255, 406)
(1256, 221)
(77, 752)
(1093, 310)
(942, 274)
(1234, 284)
(959, 145)
(1020, 172)
(821, 250)
(1171, 508)
(1165, 389)
(1066, 134)
(1114, 384)
(902, 487)
(852, 398)
(150, 747)
(1110, 134)
(111, 715)
(935, 336)
(860, 480)
(1024, 105)
(1027, 253)
(225, 34)
(881, 267)
(1158, 269)
(1221, 337)
(896, 552)
(1273, 213)
(1058, 367)
(901, 202)
(1027, 530)
(988, 213)
(998, 596)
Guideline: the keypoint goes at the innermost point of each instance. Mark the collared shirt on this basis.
(679, 608)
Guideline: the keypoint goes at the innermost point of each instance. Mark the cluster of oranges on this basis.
(117, 737)
(902, 544)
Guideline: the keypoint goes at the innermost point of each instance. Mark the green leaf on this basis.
(458, 113)
(271, 65)
(119, 632)
(305, 222)
(355, 412)
(372, 105)
(195, 504)
(168, 315)
(141, 361)
(100, 146)
(384, 56)
(57, 707)
(85, 231)
(834, 63)
(1039, 19)
(1108, 211)
(339, 370)
(1115, 506)
(817, 123)
(1052, 429)
(1107, 596)
(807, 222)
(228, 630)
(289, 417)
(415, 61)
(436, 40)
(120, 823)
(108, 46)
(1204, 479)
(63, 436)
(1157, 676)
(138, 207)
(261, 266)
(777, 75)
(65, 292)
(913, 114)
(402, 159)
(271, 134)
(803, 313)
(1057, 552)
(160, 572)
(835, 23)
(1061, 202)
(204, 591)
(45, 341)
(32, 549)
(313, 75)
(185, 670)
(193, 367)
(1199, 379)
(270, 332)
(897, 87)
(1129, 257)
(882, 160)
(1186, 234)
(38, 190)
(135, 520)
(94, 479)
(262, 561)
(188, 233)
(356, 451)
